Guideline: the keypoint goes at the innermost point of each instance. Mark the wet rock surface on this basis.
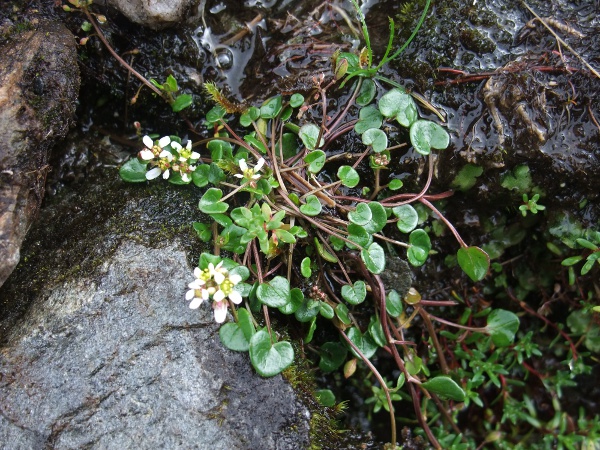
(39, 84)
(110, 356)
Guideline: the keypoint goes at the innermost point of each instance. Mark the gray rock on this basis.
(157, 14)
(39, 83)
(117, 360)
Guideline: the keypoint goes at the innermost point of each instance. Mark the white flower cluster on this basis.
(163, 161)
(215, 282)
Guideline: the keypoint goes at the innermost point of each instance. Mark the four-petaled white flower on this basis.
(185, 153)
(161, 166)
(226, 291)
(153, 150)
(248, 173)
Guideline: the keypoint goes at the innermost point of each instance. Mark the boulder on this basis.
(157, 14)
(39, 84)
(106, 352)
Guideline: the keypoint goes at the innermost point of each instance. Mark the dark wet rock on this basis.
(39, 83)
(157, 14)
(110, 356)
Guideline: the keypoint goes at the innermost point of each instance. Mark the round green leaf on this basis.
(200, 175)
(307, 310)
(315, 160)
(374, 258)
(502, 326)
(367, 93)
(181, 102)
(348, 175)
(333, 355)
(368, 118)
(400, 105)
(133, 171)
(362, 215)
(210, 204)
(393, 304)
(365, 343)
(296, 100)
(274, 293)
(425, 135)
(296, 299)
(376, 138)
(359, 235)
(305, 267)
(407, 218)
(355, 294)
(309, 134)
(395, 184)
(420, 245)
(325, 397)
(341, 311)
(271, 108)
(233, 337)
(378, 218)
(474, 262)
(326, 310)
(269, 359)
(312, 207)
(445, 387)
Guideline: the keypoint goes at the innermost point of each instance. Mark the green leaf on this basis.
(333, 355)
(420, 245)
(519, 180)
(376, 138)
(245, 323)
(305, 267)
(326, 310)
(467, 177)
(362, 215)
(274, 293)
(408, 218)
(171, 84)
(133, 171)
(271, 108)
(359, 235)
(425, 135)
(296, 299)
(348, 175)
(200, 175)
(355, 294)
(393, 304)
(395, 184)
(210, 204)
(296, 100)
(203, 230)
(325, 397)
(288, 144)
(376, 331)
(341, 311)
(181, 102)
(308, 310)
(315, 160)
(256, 143)
(309, 134)
(312, 207)
(400, 105)
(215, 114)
(323, 252)
(368, 118)
(445, 387)
(365, 343)
(586, 244)
(233, 337)
(269, 359)
(474, 262)
(367, 93)
(502, 326)
(378, 218)
(374, 258)
(219, 149)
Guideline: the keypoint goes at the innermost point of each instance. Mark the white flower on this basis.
(160, 166)
(248, 173)
(153, 150)
(185, 153)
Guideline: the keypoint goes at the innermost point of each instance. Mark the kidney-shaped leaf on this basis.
(474, 261)
(425, 135)
(275, 293)
(502, 326)
(267, 358)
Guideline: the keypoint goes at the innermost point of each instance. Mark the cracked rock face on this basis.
(39, 84)
(117, 360)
